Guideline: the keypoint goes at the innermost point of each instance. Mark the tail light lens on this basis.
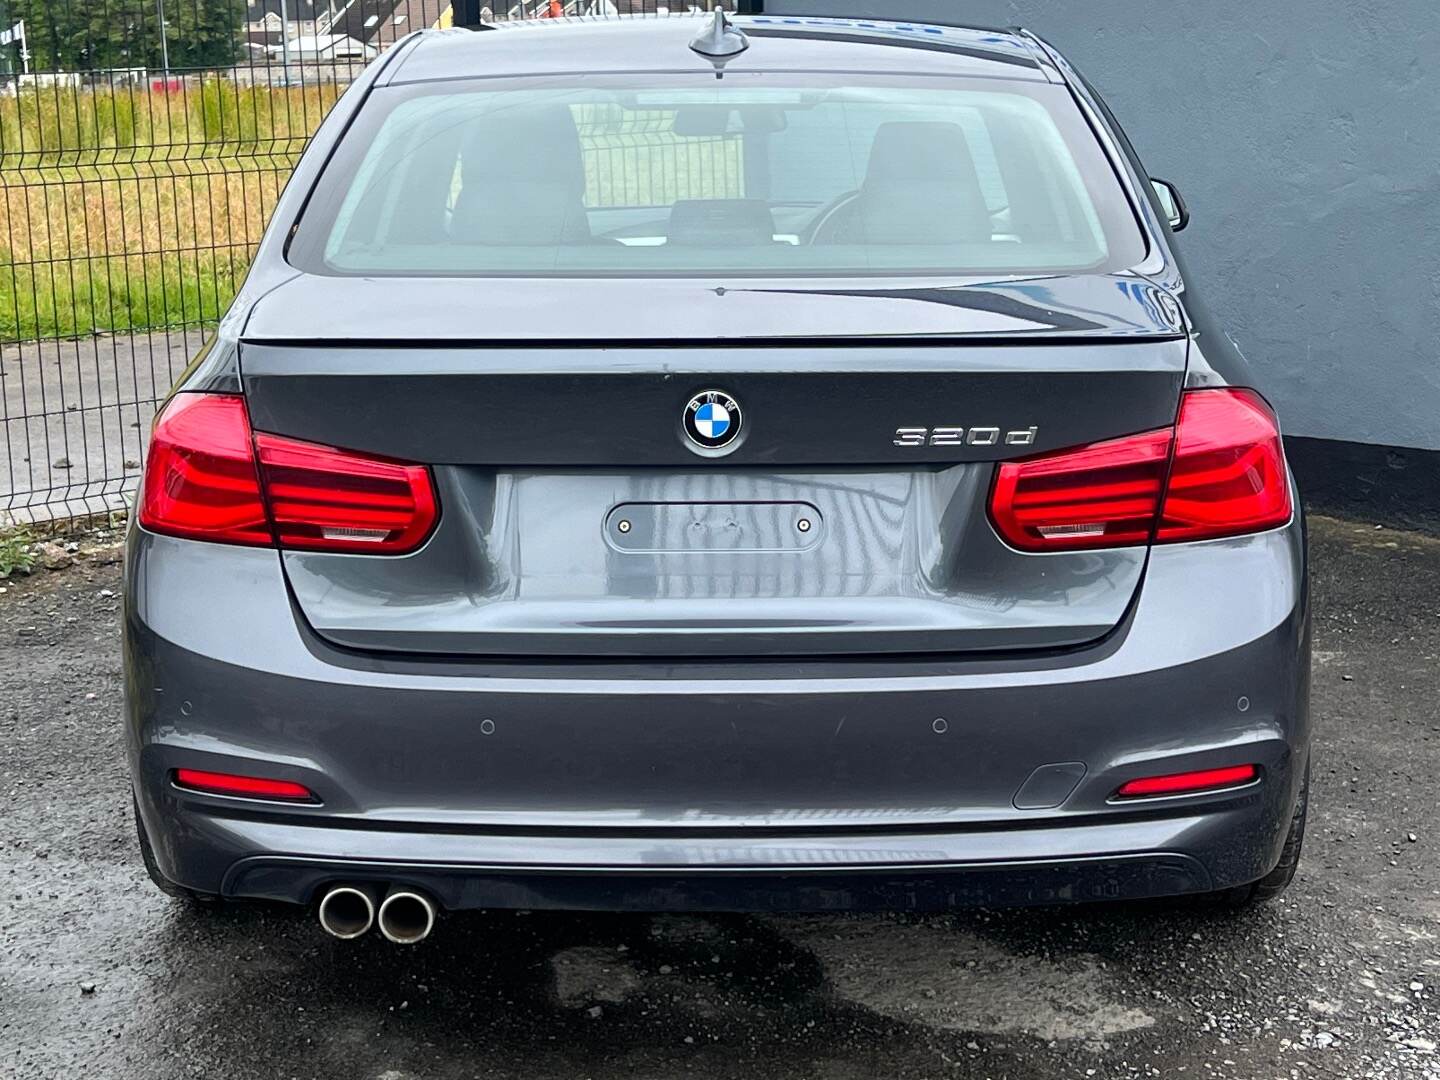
(1229, 475)
(200, 481)
(210, 478)
(330, 500)
(1104, 495)
(1226, 477)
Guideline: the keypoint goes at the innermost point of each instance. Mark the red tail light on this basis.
(1105, 495)
(250, 787)
(200, 481)
(1226, 471)
(330, 500)
(209, 478)
(1229, 474)
(1188, 783)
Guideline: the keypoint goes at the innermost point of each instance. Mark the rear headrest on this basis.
(721, 223)
(520, 144)
(920, 150)
(522, 181)
(922, 188)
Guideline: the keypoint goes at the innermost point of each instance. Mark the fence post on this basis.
(285, 45)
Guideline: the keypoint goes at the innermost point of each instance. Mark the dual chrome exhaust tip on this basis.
(404, 916)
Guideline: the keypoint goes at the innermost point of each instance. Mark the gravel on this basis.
(101, 975)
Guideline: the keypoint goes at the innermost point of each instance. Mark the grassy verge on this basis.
(125, 210)
(124, 295)
(214, 118)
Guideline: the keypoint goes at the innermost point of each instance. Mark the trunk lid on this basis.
(577, 521)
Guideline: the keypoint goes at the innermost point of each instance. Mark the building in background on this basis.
(335, 29)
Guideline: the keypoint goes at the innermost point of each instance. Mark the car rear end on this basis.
(758, 522)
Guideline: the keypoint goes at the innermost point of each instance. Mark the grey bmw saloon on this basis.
(717, 464)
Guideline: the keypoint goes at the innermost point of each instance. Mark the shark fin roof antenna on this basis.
(720, 42)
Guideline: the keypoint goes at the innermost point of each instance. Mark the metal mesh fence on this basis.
(143, 144)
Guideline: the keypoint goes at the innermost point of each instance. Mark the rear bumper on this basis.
(736, 786)
(907, 871)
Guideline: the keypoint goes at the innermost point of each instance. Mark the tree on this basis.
(75, 35)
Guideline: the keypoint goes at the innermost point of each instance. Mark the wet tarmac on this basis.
(102, 976)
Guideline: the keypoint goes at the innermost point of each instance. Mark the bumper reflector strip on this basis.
(248, 787)
(1187, 783)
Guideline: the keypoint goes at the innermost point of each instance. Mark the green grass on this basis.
(56, 126)
(125, 295)
(17, 554)
(128, 210)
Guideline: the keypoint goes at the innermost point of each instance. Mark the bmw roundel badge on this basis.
(712, 422)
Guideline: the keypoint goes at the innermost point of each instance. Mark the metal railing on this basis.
(143, 144)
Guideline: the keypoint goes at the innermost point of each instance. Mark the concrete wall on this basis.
(1305, 135)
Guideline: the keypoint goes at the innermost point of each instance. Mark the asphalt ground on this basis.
(102, 976)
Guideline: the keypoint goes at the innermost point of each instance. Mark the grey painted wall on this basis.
(1305, 135)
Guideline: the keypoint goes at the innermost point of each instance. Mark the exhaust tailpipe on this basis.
(406, 916)
(347, 912)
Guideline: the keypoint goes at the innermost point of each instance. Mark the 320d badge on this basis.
(959, 436)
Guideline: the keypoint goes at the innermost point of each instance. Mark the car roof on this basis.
(624, 44)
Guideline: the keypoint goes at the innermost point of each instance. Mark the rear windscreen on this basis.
(766, 175)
